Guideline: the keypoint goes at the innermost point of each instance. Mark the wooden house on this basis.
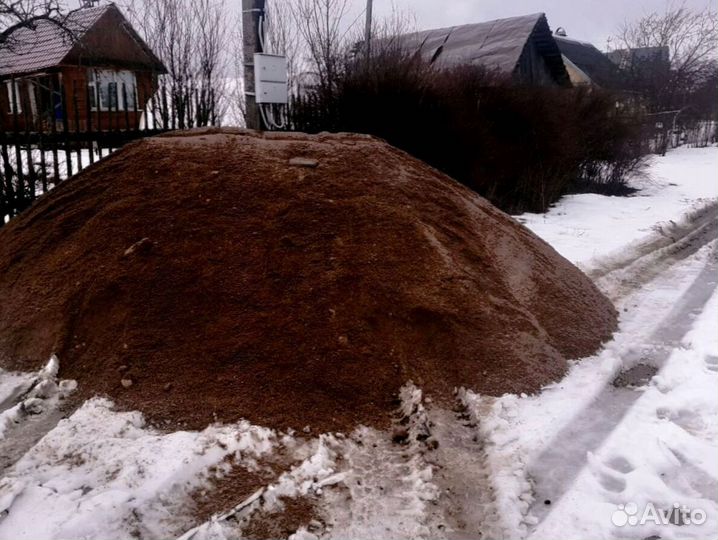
(96, 74)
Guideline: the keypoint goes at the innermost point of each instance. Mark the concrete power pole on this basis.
(367, 28)
(252, 10)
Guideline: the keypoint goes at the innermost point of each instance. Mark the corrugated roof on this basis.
(46, 46)
(494, 44)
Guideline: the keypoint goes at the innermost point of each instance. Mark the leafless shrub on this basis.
(521, 147)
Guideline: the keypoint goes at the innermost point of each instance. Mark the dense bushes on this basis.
(521, 147)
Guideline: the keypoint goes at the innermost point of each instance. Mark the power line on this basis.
(363, 11)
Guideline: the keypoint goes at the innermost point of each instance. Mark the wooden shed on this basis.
(97, 74)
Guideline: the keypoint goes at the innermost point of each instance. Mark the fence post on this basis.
(125, 107)
(9, 189)
(32, 177)
(53, 132)
(65, 130)
(41, 148)
(88, 112)
(98, 108)
(78, 147)
(20, 188)
(109, 116)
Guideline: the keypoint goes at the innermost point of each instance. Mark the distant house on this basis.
(521, 47)
(101, 78)
(639, 57)
(586, 65)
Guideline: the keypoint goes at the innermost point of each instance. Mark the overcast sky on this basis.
(587, 20)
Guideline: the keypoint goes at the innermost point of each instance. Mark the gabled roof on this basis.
(495, 44)
(47, 45)
(587, 58)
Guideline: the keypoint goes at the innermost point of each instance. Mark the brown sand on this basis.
(225, 282)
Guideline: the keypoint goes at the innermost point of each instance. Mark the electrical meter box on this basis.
(270, 78)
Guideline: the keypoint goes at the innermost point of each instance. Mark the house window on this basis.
(116, 89)
(14, 101)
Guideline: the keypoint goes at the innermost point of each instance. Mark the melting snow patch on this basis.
(104, 474)
(31, 394)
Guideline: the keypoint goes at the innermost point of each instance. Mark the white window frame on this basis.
(118, 78)
(14, 106)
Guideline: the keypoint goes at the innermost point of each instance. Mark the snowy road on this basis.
(686, 288)
(630, 430)
(671, 264)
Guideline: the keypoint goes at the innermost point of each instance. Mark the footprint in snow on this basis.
(686, 419)
(608, 475)
(712, 363)
(620, 464)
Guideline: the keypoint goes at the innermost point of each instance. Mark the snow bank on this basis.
(583, 227)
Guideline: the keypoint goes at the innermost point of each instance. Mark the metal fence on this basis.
(663, 131)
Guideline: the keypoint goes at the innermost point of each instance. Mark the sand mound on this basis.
(288, 279)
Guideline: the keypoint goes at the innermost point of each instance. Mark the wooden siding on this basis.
(72, 82)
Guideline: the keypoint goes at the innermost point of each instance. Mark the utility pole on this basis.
(252, 11)
(367, 29)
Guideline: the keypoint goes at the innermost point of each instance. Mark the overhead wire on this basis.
(363, 11)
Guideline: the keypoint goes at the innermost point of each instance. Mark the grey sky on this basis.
(587, 20)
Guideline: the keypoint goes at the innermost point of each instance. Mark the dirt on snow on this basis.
(293, 280)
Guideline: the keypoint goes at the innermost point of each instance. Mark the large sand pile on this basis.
(227, 278)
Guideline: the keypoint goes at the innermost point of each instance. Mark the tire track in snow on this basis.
(555, 469)
(432, 475)
(461, 472)
(620, 275)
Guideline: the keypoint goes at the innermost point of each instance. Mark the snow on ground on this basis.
(104, 474)
(633, 432)
(583, 227)
(630, 431)
(588, 444)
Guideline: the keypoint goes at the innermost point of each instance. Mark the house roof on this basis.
(626, 58)
(575, 73)
(48, 45)
(496, 44)
(587, 58)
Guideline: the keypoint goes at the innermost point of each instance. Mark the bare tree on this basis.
(235, 90)
(678, 47)
(190, 38)
(18, 14)
(282, 36)
(210, 60)
(320, 25)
